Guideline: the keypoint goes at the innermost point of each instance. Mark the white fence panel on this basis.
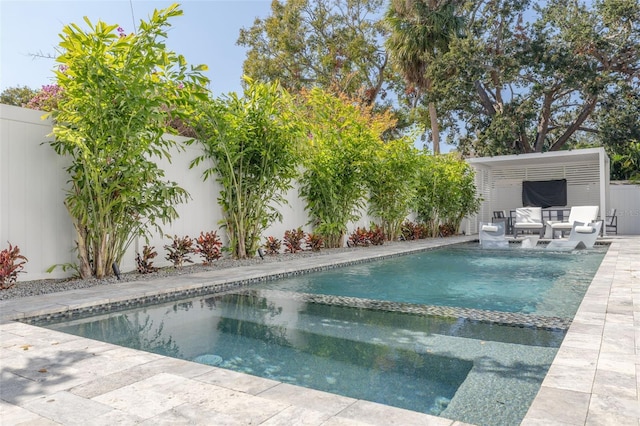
(33, 216)
(626, 200)
(32, 178)
(201, 213)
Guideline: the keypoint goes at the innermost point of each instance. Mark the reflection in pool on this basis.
(444, 366)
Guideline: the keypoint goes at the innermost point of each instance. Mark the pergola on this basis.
(499, 180)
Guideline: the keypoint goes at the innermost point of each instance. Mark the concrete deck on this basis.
(50, 378)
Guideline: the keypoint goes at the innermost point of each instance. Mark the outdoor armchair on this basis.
(611, 223)
(528, 219)
(584, 214)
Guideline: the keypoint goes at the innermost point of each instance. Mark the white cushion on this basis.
(528, 225)
(529, 215)
(583, 214)
(584, 229)
(562, 225)
(489, 228)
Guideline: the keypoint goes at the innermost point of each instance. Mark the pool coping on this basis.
(589, 379)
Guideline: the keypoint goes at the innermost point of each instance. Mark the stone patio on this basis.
(50, 378)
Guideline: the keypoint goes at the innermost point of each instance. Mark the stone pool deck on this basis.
(49, 378)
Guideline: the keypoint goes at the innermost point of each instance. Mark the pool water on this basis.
(473, 371)
(537, 281)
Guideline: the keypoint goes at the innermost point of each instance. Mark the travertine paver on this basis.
(594, 379)
(49, 377)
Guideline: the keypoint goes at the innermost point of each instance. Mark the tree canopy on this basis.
(332, 44)
(17, 96)
(419, 32)
(532, 78)
(516, 77)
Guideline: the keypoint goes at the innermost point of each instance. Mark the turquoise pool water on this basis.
(477, 372)
(441, 366)
(537, 281)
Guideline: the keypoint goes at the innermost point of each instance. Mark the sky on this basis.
(205, 34)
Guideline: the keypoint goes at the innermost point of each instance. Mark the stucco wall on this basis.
(33, 215)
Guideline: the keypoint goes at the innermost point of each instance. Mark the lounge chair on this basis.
(528, 219)
(584, 214)
(582, 236)
(492, 235)
(612, 222)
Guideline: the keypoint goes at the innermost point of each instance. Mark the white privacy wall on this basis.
(33, 216)
(625, 198)
(32, 178)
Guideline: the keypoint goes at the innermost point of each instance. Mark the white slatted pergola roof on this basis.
(499, 179)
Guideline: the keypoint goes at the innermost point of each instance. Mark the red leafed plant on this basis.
(376, 235)
(272, 246)
(11, 264)
(363, 237)
(208, 246)
(315, 242)
(293, 240)
(144, 262)
(360, 237)
(413, 231)
(179, 250)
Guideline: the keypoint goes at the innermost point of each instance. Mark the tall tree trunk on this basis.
(543, 124)
(433, 117)
(83, 254)
(584, 114)
(435, 129)
(489, 109)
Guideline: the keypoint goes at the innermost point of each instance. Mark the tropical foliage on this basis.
(144, 263)
(343, 137)
(119, 90)
(11, 264)
(272, 245)
(180, 250)
(252, 144)
(419, 32)
(446, 192)
(208, 246)
(293, 239)
(391, 180)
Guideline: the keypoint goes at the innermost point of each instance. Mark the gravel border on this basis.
(47, 286)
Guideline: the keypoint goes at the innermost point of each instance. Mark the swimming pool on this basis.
(525, 281)
(472, 371)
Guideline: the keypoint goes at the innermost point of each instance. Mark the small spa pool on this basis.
(443, 363)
